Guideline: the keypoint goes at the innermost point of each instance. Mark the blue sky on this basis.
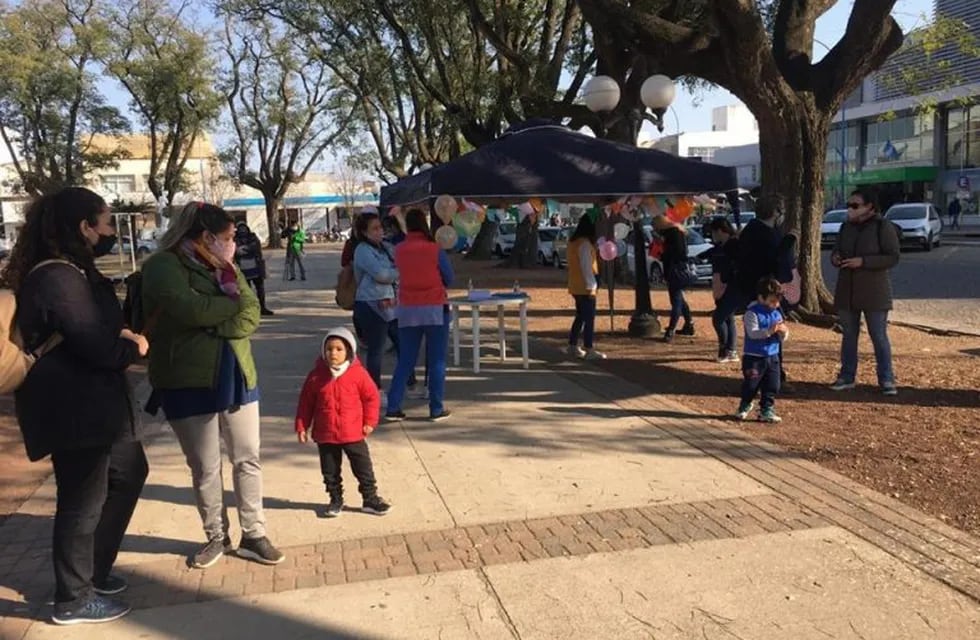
(694, 111)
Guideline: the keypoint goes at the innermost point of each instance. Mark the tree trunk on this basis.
(482, 248)
(525, 251)
(272, 220)
(793, 144)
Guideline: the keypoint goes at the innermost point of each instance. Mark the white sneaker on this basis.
(575, 351)
(595, 355)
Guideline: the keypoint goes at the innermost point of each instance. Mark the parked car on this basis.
(559, 247)
(919, 223)
(504, 241)
(546, 247)
(144, 247)
(830, 226)
(698, 252)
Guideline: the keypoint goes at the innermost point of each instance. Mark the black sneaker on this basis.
(687, 330)
(260, 550)
(111, 586)
(395, 416)
(268, 312)
(92, 611)
(376, 505)
(669, 336)
(335, 508)
(211, 552)
(445, 415)
(292, 279)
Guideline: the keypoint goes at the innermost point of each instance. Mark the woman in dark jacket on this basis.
(75, 404)
(674, 261)
(248, 257)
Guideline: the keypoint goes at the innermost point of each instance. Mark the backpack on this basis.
(15, 362)
(133, 304)
(346, 288)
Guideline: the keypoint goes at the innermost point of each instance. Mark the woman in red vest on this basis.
(424, 272)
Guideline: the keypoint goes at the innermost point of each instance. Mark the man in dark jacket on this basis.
(867, 248)
(248, 257)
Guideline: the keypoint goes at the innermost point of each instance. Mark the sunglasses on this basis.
(854, 205)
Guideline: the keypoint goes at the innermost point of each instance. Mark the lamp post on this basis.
(601, 95)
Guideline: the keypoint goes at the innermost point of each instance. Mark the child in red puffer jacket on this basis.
(338, 408)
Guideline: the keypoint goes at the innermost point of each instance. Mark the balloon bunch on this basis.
(609, 250)
(680, 211)
(462, 218)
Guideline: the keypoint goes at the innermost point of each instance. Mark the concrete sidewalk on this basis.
(559, 502)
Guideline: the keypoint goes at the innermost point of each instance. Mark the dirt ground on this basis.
(921, 447)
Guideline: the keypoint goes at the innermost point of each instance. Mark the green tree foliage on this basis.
(168, 70)
(51, 112)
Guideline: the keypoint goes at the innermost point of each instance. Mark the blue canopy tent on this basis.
(542, 159)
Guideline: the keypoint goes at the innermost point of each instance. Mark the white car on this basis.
(503, 243)
(546, 246)
(830, 226)
(698, 251)
(919, 222)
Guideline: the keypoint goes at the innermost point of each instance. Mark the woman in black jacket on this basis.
(675, 263)
(75, 404)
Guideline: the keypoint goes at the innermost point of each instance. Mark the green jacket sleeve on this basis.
(244, 323)
(890, 249)
(167, 289)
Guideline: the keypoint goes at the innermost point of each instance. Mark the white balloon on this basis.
(621, 230)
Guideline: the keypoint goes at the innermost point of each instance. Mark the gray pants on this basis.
(200, 439)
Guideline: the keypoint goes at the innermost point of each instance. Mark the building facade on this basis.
(730, 126)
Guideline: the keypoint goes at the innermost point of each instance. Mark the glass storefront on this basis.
(904, 139)
(963, 137)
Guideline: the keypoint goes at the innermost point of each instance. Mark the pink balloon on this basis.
(608, 251)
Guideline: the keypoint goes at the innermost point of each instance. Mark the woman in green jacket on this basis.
(200, 313)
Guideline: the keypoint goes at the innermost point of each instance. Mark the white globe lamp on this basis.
(601, 94)
(658, 92)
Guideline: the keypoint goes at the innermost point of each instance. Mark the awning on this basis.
(892, 174)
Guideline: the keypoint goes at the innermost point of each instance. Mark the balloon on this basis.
(445, 208)
(467, 223)
(447, 237)
(621, 247)
(608, 251)
(621, 230)
(523, 210)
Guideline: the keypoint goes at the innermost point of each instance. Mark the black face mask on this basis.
(104, 245)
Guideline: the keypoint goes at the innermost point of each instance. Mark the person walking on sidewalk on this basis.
(339, 407)
(723, 258)
(248, 257)
(765, 330)
(295, 241)
(583, 265)
(955, 209)
(424, 272)
(676, 271)
(867, 249)
(75, 403)
(202, 370)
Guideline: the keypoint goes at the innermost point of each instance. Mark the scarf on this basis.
(224, 272)
(339, 371)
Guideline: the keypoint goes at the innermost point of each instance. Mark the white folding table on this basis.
(501, 304)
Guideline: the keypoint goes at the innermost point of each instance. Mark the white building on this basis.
(732, 125)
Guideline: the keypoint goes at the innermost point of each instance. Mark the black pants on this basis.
(760, 374)
(97, 493)
(331, 457)
(584, 320)
(259, 284)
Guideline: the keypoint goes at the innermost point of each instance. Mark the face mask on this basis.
(104, 245)
(224, 249)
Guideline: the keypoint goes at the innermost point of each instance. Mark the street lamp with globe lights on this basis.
(601, 95)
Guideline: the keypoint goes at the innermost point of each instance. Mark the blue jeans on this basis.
(732, 303)
(374, 331)
(878, 330)
(584, 319)
(760, 374)
(678, 307)
(436, 345)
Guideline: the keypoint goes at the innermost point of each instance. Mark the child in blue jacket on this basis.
(765, 329)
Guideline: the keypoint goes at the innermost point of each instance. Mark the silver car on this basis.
(919, 223)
